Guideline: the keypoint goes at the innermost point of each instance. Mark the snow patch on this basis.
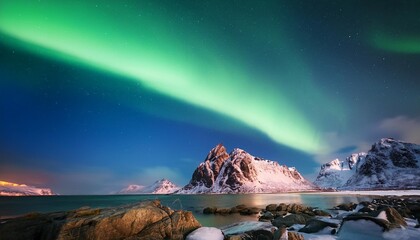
(206, 233)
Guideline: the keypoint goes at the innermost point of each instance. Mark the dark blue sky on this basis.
(106, 106)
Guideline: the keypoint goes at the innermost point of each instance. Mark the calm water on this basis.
(14, 206)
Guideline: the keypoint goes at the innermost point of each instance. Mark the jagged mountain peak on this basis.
(218, 152)
(239, 171)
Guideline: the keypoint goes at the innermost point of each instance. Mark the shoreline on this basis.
(393, 214)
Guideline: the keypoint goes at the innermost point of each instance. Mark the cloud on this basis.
(401, 127)
(341, 145)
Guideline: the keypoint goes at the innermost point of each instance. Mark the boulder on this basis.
(282, 207)
(384, 224)
(144, 220)
(223, 211)
(346, 206)
(249, 211)
(291, 219)
(322, 213)
(238, 208)
(271, 207)
(298, 208)
(284, 234)
(316, 225)
(391, 215)
(294, 236)
(249, 230)
(209, 210)
(266, 217)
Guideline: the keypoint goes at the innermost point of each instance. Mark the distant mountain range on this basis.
(389, 164)
(240, 172)
(15, 189)
(162, 186)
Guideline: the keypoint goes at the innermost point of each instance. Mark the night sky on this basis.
(96, 95)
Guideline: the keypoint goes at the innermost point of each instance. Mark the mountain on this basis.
(389, 164)
(240, 172)
(131, 189)
(15, 189)
(336, 173)
(162, 186)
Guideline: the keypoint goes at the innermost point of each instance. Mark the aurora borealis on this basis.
(102, 86)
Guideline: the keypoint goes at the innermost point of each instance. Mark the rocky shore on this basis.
(382, 218)
(147, 220)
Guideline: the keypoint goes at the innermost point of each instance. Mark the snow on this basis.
(336, 173)
(265, 176)
(133, 188)
(360, 229)
(15, 189)
(382, 215)
(206, 233)
(162, 186)
(246, 226)
(389, 164)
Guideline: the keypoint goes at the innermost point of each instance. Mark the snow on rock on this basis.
(162, 186)
(247, 226)
(15, 189)
(206, 233)
(361, 229)
(240, 172)
(336, 173)
(131, 189)
(389, 164)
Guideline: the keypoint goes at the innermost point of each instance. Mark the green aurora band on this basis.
(401, 44)
(153, 52)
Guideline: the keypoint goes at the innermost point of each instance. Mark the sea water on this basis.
(16, 206)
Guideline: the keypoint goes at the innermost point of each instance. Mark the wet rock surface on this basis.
(281, 220)
(144, 220)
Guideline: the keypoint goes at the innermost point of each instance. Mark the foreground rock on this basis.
(366, 220)
(249, 230)
(144, 220)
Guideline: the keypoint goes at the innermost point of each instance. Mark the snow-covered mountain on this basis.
(162, 186)
(389, 164)
(15, 189)
(131, 189)
(240, 172)
(336, 173)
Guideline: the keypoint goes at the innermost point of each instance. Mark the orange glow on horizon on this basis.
(4, 183)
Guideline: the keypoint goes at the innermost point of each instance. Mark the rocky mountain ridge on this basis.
(389, 164)
(162, 186)
(15, 189)
(240, 172)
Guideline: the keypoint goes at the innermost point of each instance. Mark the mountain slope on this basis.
(389, 164)
(14, 189)
(162, 186)
(240, 172)
(336, 173)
